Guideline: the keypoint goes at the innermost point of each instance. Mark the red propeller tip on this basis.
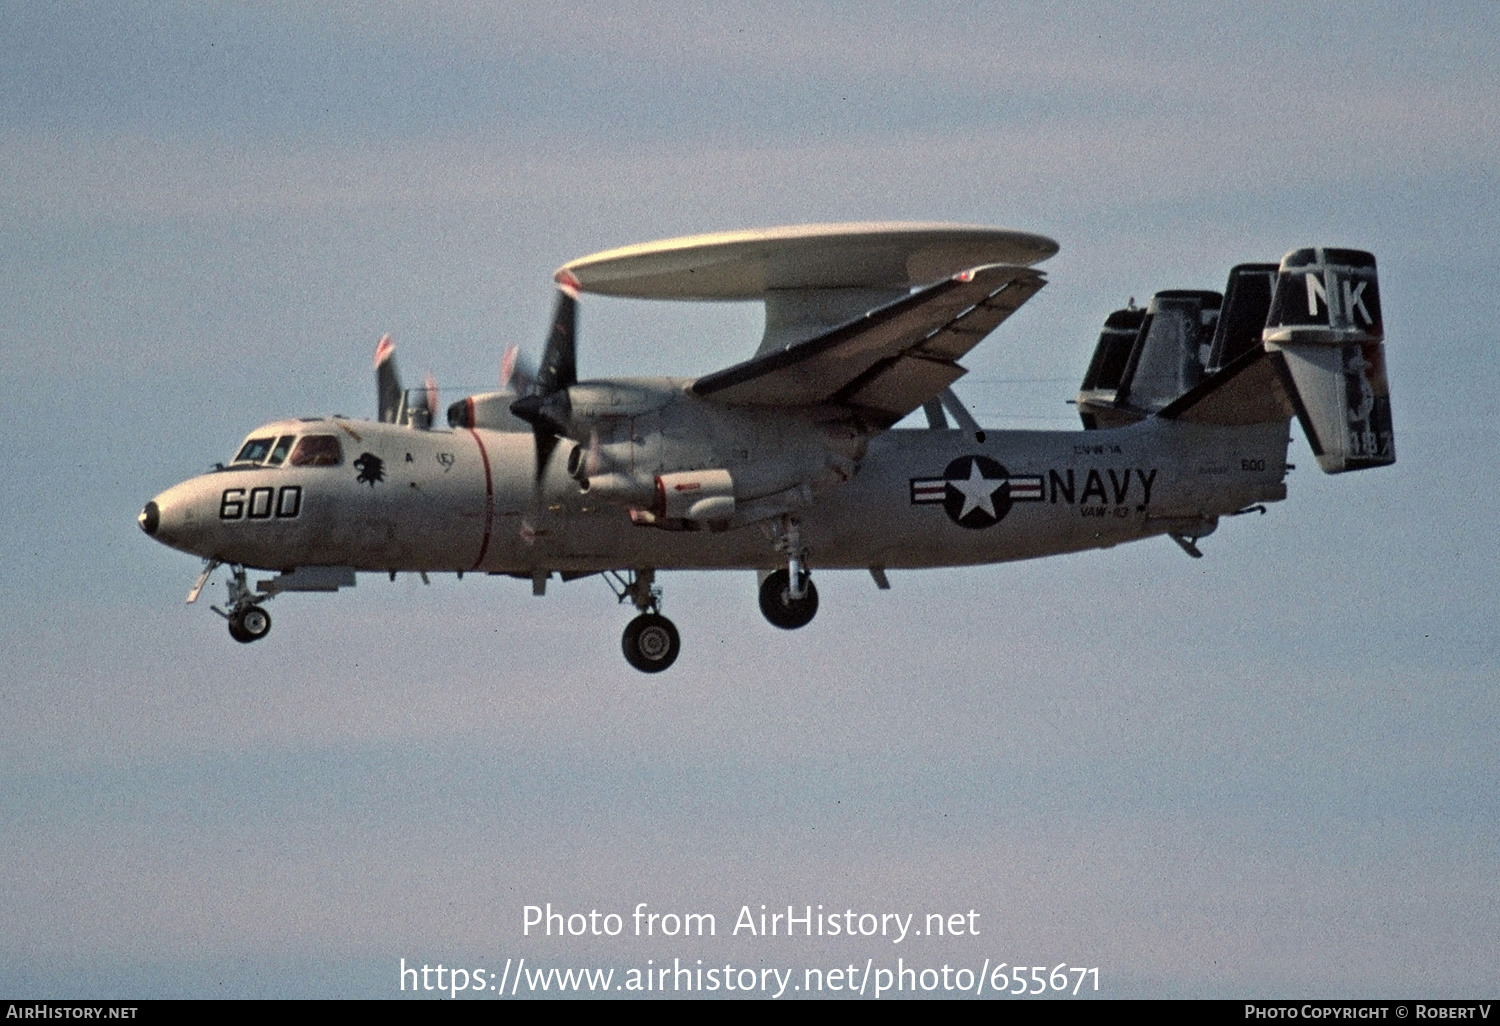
(385, 350)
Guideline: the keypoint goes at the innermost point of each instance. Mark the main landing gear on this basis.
(788, 598)
(247, 621)
(651, 643)
(781, 607)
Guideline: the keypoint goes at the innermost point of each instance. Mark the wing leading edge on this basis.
(889, 361)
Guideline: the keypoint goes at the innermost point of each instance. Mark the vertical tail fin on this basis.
(1147, 358)
(1107, 369)
(1326, 337)
(1242, 318)
(1169, 355)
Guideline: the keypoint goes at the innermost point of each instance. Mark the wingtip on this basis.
(567, 281)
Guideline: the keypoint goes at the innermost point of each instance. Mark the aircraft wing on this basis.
(889, 361)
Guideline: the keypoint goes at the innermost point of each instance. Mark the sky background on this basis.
(1272, 771)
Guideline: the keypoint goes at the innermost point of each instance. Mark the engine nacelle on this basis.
(682, 463)
(702, 496)
(618, 488)
(578, 465)
(490, 410)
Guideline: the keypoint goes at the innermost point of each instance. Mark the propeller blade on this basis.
(387, 380)
(421, 405)
(591, 467)
(546, 445)
(559, 360)
(546, 406)
(508, 365)
(549, 413)
(517, 374)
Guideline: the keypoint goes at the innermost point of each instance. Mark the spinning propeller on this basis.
(545, 405)
(387, 380)
(395, 405)
(516, 372)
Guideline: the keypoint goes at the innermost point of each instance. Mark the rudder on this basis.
(1326, 338)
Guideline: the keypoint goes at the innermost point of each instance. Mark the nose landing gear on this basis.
(650, 643)
(247, 621)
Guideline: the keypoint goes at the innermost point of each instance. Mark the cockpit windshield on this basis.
(317, 451)
(291, 451)
(279, 451)
(271, 451)
(254, 451)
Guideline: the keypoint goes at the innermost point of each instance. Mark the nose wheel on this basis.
(651, 643)
(247, 621)
(782, 607)
(249, 624)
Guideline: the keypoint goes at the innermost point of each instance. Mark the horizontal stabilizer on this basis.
(1190, 355)
(1248, 391)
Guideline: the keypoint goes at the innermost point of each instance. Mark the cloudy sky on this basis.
(1271, 771)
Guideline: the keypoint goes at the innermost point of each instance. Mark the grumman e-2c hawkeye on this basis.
(789, 460)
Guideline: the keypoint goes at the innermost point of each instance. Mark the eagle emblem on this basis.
(371, 468)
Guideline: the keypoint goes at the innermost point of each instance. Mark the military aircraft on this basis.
(791, 459)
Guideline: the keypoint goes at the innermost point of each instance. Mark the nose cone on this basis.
(150, 518)
(178, 517)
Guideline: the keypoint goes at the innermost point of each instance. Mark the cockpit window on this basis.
(279, 451)
(317, 451)
(254, 451)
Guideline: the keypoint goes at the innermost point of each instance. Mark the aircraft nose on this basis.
(175, 518)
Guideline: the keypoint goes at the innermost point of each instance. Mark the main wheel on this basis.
(249, 624)
(780, 608)
(651, 643)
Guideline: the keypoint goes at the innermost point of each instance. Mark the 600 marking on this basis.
(262, 504)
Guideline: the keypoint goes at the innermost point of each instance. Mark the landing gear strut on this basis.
(247, 621)
(650, 643)
(788, 598)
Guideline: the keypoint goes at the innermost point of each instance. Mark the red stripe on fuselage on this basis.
(489, 499)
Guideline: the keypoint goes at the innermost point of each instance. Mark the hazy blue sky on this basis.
(1269, 771)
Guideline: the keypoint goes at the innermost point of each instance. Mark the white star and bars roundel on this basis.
(975, 491)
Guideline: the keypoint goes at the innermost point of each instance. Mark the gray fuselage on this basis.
(401, 499)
